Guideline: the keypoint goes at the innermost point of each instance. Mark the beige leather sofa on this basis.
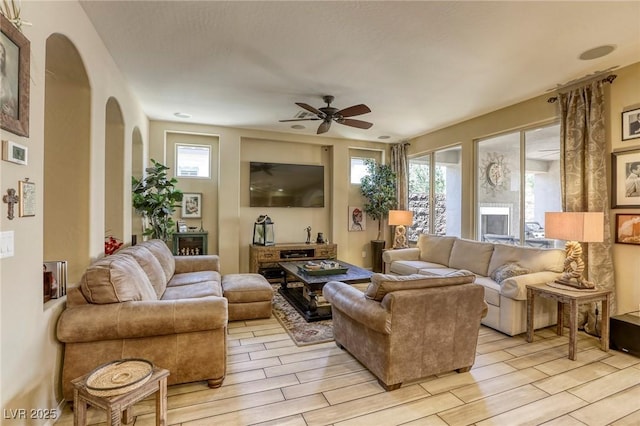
(503, 270)
(408, 327)
(143, 302)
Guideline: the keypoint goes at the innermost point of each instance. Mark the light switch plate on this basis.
(6, 244)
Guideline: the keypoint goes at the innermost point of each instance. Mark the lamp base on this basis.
(578, 283)
(400, 240)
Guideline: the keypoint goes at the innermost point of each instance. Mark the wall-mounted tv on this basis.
(286, 185)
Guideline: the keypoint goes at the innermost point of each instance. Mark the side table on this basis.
(117, 404)
(573, 298)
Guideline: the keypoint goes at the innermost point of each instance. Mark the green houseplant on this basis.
(379, 189)
(155, 197)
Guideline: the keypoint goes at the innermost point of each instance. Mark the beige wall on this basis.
(30, 356)
(623, 93)
(232, 234)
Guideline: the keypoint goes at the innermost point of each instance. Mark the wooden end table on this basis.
(573, 298)
(117, 404)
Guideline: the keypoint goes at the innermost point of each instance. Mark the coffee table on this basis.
(305, 299)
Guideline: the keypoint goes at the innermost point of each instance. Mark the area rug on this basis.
(302, 333)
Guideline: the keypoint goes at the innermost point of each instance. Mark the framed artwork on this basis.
(631, 124)
(14, 153)
(357, 219)
(191, 205)
(27, 194)
(628, 228)
(14, 67)
(182, 226)
(625, 179)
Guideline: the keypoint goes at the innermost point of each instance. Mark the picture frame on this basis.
(27, 202)
(182, 226)
(15, 53)
(628, 228)
(191, 205)
(631, 124)
(357, 219)
(14, 152)
(625, 179)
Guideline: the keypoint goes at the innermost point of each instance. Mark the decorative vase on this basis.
(377, 246)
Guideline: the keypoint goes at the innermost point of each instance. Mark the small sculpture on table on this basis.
(308, 229)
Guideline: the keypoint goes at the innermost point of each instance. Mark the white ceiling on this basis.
(419, 66)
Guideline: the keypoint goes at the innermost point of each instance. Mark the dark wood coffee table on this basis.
(305, 298)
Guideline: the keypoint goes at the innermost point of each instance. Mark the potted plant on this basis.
(379, 189)
(155, 197)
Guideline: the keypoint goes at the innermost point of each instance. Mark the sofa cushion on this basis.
(161, 251)
(116, 278)
(381, 284)
(150, 265)
(534, 259)
(192, 291)
(435, 248)
(491, 290)
(508, 270)
(209, 278)
(408, 267)
(471, 255)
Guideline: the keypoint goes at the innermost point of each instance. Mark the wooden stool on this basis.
(117, 404)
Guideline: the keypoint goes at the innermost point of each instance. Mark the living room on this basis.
(28, 329)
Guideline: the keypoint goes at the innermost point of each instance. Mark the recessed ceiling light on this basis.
(384, 137)
(597, 52)
(182, 115)
(298, 126)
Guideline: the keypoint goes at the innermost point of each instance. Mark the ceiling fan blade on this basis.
(300, 119)
(324, 127)
(356, 123)
(354, 110)
(309, 108)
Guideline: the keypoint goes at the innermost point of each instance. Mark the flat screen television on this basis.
(286, 185)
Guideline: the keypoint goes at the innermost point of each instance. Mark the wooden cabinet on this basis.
(190, 243)
(264, 258)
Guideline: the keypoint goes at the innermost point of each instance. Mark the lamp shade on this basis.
(586, 227)
(400, 217)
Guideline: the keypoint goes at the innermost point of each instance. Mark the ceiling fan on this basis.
(328, 114)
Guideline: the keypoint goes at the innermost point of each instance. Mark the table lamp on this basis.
(400, 218)
(574, 228)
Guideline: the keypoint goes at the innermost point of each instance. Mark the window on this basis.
(435, 176)
(518, 181)
(193, 161)
(358, 169)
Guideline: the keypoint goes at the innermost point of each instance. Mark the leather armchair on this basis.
(409, 327)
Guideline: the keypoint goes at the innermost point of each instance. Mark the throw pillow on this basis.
(508, 270)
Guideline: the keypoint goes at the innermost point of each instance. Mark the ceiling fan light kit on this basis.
(328, 114)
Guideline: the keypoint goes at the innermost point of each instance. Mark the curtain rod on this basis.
(608, 79)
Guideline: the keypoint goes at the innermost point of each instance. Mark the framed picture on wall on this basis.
(631, 124)
(628, 228)
(357, 219)
(625, 179)
(14, 67)
(27, 193)
(191, 205)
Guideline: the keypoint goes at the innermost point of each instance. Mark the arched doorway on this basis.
(137, 171)
(67, 136)
(114, 171)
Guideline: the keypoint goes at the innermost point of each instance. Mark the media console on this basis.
(264, 259)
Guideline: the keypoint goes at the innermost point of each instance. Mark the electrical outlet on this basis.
(364, 254)
(6, 244)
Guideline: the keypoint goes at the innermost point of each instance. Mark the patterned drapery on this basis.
(584, 179)
(400, 167)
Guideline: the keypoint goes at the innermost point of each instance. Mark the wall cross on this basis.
(10, 199)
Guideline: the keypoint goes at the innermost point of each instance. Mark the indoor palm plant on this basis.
(155, 197)
(379, 189)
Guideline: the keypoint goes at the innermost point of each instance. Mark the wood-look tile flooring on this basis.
(271, 381)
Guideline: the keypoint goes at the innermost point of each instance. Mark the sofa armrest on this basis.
(352, 303)
(515, 287)
(127, 320)
(412, 253)
(209, 262)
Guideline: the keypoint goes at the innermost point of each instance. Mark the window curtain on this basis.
(399, 166)
(584, 181)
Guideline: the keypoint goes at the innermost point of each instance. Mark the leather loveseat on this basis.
(408, 327)
(143, 302)
(503, 270)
